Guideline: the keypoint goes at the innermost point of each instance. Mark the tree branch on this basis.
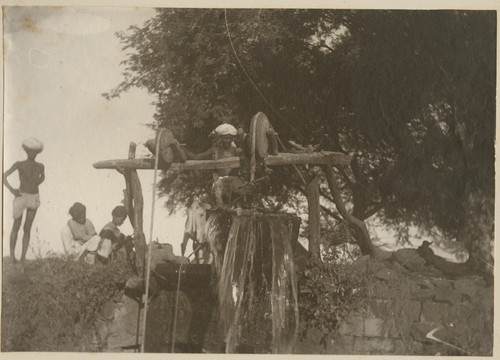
(360, 229)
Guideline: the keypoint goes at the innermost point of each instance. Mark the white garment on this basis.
(73, 247)
(195, 229)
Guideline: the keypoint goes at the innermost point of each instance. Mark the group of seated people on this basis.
(81, 240)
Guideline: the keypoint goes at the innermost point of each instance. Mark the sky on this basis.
(57, 63)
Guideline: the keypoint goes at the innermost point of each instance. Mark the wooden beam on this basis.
(318, 158)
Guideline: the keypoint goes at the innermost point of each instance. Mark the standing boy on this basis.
(31, 174)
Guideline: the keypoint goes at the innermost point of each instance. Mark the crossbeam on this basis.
(316, 158)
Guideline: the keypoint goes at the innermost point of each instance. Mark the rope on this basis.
(174, 327)
(148, 264)
(252, 82)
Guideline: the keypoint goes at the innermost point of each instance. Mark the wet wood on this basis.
(325, 157)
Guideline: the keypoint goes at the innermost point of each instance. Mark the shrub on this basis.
(51, 304)
(329, 291)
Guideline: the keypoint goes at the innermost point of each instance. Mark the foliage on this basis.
(410, 93)
(51, 304)
(329, 291)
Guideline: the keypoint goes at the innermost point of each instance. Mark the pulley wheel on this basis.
(259, 126)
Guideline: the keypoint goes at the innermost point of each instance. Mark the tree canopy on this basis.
(410, 93)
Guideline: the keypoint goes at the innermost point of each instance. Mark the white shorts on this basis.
(25, 201)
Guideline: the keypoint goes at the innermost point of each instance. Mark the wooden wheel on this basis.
(259, 127)
(259, 144)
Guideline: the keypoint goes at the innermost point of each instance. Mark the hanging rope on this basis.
(148, 263)
(252, 82)
(174, 327)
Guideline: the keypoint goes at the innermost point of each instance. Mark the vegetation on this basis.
(411, 94)
(330, 291)
(51, 304)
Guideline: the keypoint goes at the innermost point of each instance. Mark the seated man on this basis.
(227, 182)
(113, 239)
(79, 236)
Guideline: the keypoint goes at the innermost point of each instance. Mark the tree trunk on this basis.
(477, 231)
(360, 231)
(312, 194)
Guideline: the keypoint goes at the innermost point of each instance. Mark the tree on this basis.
(410, 93)
(436, 109)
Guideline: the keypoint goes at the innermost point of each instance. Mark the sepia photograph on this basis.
(249, 180)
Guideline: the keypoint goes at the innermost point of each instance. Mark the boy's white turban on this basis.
(225, 129)
(33, 144)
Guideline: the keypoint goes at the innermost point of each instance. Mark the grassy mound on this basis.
(51, 304)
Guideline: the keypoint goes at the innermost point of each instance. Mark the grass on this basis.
(51, 304)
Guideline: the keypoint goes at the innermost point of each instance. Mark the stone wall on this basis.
(405, 301)
(403, 307)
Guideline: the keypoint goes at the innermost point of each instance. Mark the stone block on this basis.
(345, 329)
(381, 307)
(386, 274)
(363, 346)
(409, 347)
(340, 345)
(434, 312)
(310, 343)
(122, 330)
(392, 328)
(443, 283)
(450, 296)
(357, 326)
(468, 286)
(418, 331)
(422, 294)
(487, 298)
(379, 290)
(430, 270)
(374, 327)
(424, 283)
(435, 349)
(414, 310)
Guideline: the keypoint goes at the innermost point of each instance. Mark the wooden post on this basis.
(313, 206)
(128, 196)
(134, 202)
(139, 238)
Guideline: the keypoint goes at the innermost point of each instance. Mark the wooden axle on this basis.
(318, 158)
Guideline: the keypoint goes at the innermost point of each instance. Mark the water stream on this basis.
(257, 288)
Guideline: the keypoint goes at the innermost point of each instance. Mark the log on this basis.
(325, 157)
